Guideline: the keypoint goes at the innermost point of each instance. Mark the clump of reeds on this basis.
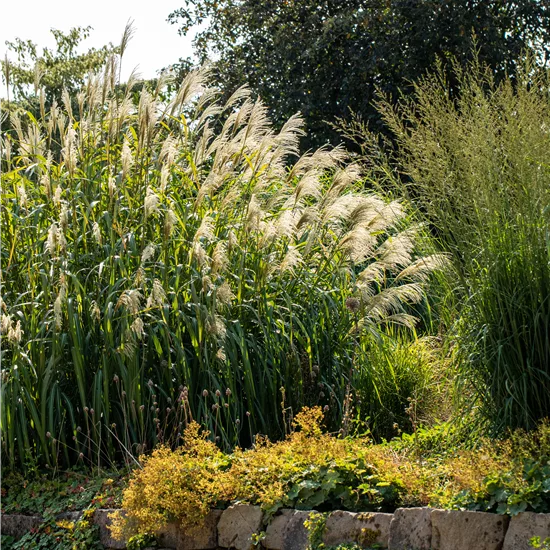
(169, 261)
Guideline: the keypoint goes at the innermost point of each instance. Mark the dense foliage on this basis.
(53, 499)
(178, 281)
(325, 58)
(478, 170)
(159, 268)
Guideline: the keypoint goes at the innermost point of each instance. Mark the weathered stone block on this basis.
(287, 532)
(523, 527)
(364, 529)
(17, 525)
(411, 529)
(276, 530)
(103, 521)
(237, 525)
(201, 537)
(456, 530)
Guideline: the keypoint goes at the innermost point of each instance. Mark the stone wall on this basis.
(406, 529)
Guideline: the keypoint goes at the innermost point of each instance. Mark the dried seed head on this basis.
(126, 159)
(64, 217)
(148, 253)
(15, 333)
(151, 204)
(224, 294)
(22, 194)
(95, 312)
(353, 304)
(5, 324)
(111, 184)
(157, 297)
(131, 300)
(57, 195)
(137, 328)
(170, 220)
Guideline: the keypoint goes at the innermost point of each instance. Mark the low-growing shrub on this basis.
(314, 470)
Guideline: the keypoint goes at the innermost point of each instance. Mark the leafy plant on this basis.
(61, 535)
(313, 470)
(535, 542)
(316, 526)
(67, 492)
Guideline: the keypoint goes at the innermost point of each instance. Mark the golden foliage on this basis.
(185, 484)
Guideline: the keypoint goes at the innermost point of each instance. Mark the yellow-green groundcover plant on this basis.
(314, 470)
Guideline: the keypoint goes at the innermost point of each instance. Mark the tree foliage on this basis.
(59, 67)
(326, 57)
(52, 69)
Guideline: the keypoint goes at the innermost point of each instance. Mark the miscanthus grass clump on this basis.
(174, 260)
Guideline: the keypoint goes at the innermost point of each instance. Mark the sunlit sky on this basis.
(155, 44)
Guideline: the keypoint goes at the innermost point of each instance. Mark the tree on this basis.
(52, 70)
(325, 57)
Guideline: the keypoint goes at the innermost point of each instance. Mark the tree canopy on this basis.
(326, 57)
(52, 69)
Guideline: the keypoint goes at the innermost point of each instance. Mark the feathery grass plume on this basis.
(138, 328)
(246, 289)
(15, 333)
(130, 300)
(22, 194)
(129, 31)
(193, 84)
(97, 233)
(65, 98)
(216, 327)
(292, 259)
(5, 324)
(224, 294)
(151, 203)
(15, 122)
(157, 298)
(6, 69)
(170, 220)
(59, 302)
(52, 241)
(126, 159)
(70, 149)
(147, 117)
(220, 260)
(148, 253)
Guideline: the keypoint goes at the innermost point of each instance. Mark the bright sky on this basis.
(155, 44)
